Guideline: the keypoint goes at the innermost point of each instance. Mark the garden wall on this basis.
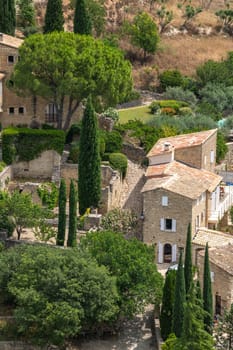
(5, 176)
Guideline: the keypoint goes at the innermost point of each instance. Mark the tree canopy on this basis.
(7, 17)
(63, 65)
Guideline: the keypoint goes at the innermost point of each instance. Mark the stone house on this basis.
(181, 188)
(14, 109)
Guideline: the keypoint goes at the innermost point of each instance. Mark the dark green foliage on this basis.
(207, 108)
(188, 273)
(74, 152)
(113, 142)
(28, 144)
(170, 78)
(207, 294)
(198, 292)
(221, 147)
(7, 17)
(26, 15)
(179, 300)
(54, 19)
(166, 313)
(61, 214)
(89, 175)
(56, 293)
(82, 20)
(132, 263)
(73, 133)
(119, 161)
(48, 193)
(72, 233)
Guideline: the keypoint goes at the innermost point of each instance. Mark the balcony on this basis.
(225, 202)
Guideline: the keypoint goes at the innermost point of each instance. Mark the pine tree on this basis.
(61, 214)
(54, 19)
(89, 176)
(167, 304)
(207, 293)
(7, 17)
(72, 240)
(82, 20)
(188, 275)
(179, 300)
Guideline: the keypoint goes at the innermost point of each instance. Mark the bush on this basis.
(74, 152)
(119, 161)
(113, 142)
(168, 111)
(178, 93)
(185, 111)
(171, 78)
(119, 220)
(215, 95)
(2, 166)
(206, 108)
(73, 132)
(111, 113)
(176, 105)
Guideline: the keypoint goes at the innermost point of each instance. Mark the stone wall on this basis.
(39, 168)
(5, 177)
(134, 153)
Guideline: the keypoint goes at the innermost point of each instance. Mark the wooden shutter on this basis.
(162, 224)
(160, 255)
(164, 201)
(174, 252)
(173, 225)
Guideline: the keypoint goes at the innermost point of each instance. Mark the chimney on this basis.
(166, 146)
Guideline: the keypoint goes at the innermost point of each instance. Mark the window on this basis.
(212, 276)
(21, 110)
(11, 59)
(11, 110)
(164, 201)
(51, 113)
(211, 156)
(168, 224)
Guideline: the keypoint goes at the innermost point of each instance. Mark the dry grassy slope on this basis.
(184, 52)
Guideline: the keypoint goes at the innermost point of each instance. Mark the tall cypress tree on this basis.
(179, 300)
(54, 19)
(7, 17)
(61, 214)
(89, 176)
(167, 304)
(207, 293)
(82, 20)
(72, 240)
(188, 275)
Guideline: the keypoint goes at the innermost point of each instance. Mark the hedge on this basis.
(176, 105)
(24, 144)
(119, 161)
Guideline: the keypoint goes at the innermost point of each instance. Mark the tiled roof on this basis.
(212, 237)
(9, 40)
(181, 141)
(221, 257)
(180, 178)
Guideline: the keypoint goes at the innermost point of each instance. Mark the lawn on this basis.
(141, 113)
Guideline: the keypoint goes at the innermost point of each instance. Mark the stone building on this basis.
(181, 188)
(19, 110)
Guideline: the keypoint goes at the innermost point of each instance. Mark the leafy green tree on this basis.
(193, 334)
(89, 173)
(179, 300)
(26, 15)
(7, 17)
(223, 333)
(56, 293)
(144, 34)
(54, 19)
(82, 21)
(119, 220)
(188, 273)
(61, 214)
(207, 293)
(77, 65)
(222, 148)
(132, 263)
(72, 233)
(166, 313)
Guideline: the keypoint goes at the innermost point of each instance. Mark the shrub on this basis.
(2, 166)
(74, 131)
(171, 78)
(48, 193)
(215, 95)
(176, 105)
(111, 113)
(113, 142)
(168, 110)
(119, 220)
(119, 161)
(185, 111)
(206, 108)
(74, 152)
(178, 93)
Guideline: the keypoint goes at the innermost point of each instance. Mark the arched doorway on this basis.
(167, 253)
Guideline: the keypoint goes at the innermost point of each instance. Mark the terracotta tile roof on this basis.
(180, 178)
(214, 238)
(181, 141)
(221, 257)
(9, 40)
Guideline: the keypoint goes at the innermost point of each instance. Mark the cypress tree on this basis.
(7, 17)
(72, 240)
(54, 19)
(82, 21)
(167, 304)
(89, 176)
(188, 275)
(179, 300)
(61, 214)
(207, 293)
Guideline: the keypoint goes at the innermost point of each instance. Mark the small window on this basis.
(164, 201)
(211, 156)
(21, 110)
(11, 59)
(11, 110)
(168, 224)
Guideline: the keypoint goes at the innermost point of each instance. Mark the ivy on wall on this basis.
(24, 144)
